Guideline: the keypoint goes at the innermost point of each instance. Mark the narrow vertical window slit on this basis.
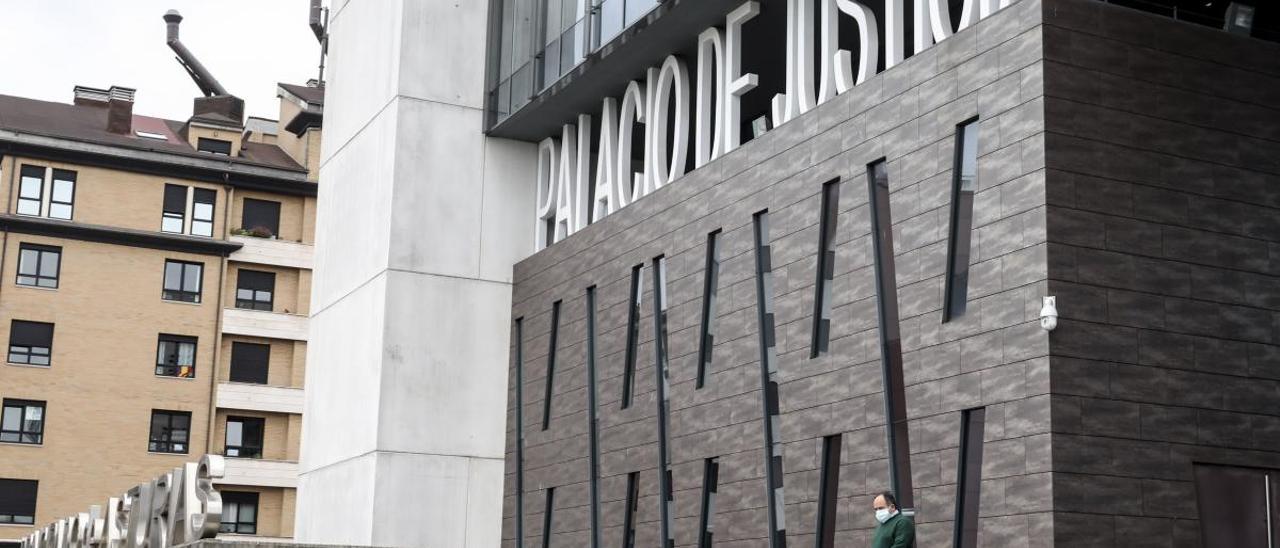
(633, 334)
(828, 492)
(710, 284)
(592, 424)
(551, 365)
(665, 509)
(964, 185)
(890, 335)
(519, 375)
(547, 514)
(769, 382)
(629, 516)
(969, 474)
(821, 334)
(710, 483)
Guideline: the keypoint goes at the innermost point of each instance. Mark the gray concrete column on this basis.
(417, 230)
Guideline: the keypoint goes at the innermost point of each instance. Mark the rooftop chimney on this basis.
(119, 103)
(216, 100)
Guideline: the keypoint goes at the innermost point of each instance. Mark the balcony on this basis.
(273, 252)
(259, 397)
(260, 473)
(272, 325)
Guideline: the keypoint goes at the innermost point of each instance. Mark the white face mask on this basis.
(883, 515)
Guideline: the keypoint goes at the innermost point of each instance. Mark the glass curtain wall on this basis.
(542, 40)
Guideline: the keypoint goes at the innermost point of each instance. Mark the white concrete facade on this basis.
(273, 252)
(260, 473)
(259, 397)
(419, 224)
(260, 323)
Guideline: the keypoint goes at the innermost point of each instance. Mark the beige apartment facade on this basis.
(155, 280)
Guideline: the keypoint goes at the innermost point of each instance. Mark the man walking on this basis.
(894, 530)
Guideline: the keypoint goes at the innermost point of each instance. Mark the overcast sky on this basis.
(53, 45)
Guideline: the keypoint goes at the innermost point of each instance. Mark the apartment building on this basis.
(156, 283)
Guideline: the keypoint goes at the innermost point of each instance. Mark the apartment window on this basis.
(260, 217)
(629, 515)
(31, 190)
(250, 362)
(551, 365)
(18, 501)
(821, 333)
(964, 184)
(202, 201)
(244, 437)
(170, 431)
(1238, 507)
(710, 284)
(39, 265)
(710, 480)
(254, 289)
(633, 334)
(969, 484)
(176, 356)
(174, 215)
(22, 422)
(239, 513)
(182, 281)
(213, 146)
(30, 343)
(62, 195)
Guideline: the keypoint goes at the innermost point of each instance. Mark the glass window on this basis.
(969, 474)
(18, 501)
(820, 335)
(254, 289)
(174, 209)
(239, 513)
(31, 190)
(62, 197)
(250, 362)
(260, 217)
(38, 265)
(169, 431)
(30, 342)
(22, 422)
(710, 283)
(176, 357)
(965, 182)
(202, 212)
(213, 146)
(244, 437)
(633, 334)
(1238, 506)
(182, 281)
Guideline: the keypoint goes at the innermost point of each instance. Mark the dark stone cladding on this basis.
(1163, 210)
(996, 355)
(1128, 164)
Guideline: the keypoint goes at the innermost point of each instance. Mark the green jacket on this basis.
(896, 532)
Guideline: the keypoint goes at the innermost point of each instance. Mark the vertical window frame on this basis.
(890, 333)
(969, 477)
(666, 506)
(634, 300)
(62, 176)
(774, 471)
(710, 487)
(829, 491)
(548, 516)
(551, 365)
(631, 506)
(519, 375)
(40, 175)
(41, 251)
(593, 425)
(960, 230)
(710, 291)
(820, 336)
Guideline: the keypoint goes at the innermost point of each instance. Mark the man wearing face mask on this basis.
(893, 530)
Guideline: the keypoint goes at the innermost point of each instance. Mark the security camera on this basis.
(1049, 314)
